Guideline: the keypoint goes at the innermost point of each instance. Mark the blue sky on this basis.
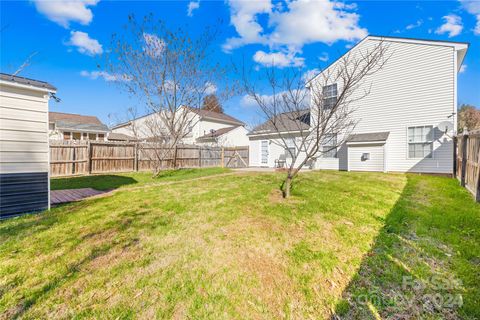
(71, 36)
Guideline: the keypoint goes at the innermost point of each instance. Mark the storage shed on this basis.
(24, 151)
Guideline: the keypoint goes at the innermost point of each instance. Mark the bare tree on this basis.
(211, 103)
(310, 118)
(170, 72)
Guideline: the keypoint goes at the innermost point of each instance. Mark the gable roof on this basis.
(460, 47)
(215, 115)
(217, 133)
(285, 122)
(73, 121)
(27, 81)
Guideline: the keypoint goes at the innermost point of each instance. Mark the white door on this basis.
(366, 158)
(264, 152)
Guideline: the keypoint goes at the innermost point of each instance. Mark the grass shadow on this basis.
(425, 262)
(98, 182)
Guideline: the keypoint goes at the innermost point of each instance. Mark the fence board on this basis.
(467, 162)
(84, 157)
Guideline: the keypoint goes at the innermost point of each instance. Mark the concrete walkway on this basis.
(70, 195)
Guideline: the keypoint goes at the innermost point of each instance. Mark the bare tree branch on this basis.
(312, 118)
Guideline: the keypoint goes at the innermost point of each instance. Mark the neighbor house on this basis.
(24, 153)
(400, 123)
(204, 128)
(69, 126)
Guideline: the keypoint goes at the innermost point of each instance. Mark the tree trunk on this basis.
(287, 185)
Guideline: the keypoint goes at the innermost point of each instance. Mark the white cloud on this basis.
(309, 21)
(244, 17)
(278, 59)
(65, 11)
(210, 88)
(84, 43)
(414, 25)
(323, 57)
(104, 75)
(298, 23)
(154, 46)
(453, 26)
(463, 68)
(192, 5)
(473, 7)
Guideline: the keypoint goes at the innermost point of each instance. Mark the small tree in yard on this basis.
(468, 118)
(311, 118)
(170, 72)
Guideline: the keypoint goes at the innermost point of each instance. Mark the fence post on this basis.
(135, 160)
(73, 159)
(89, 157)
(223, 157)
(455, 144)
(464, 159)
(199, 156)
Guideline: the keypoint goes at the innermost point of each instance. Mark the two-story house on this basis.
(204, 128)
(400, 124)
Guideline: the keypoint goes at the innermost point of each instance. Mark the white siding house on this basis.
(207, 128)
(398, 120)
(24, 152)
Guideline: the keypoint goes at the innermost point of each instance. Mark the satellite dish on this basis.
(445, 126)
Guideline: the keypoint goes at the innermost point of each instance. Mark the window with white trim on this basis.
(420, 142)
(329, 146)
(291, 150)
(329, 94)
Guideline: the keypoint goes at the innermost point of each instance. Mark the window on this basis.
(84, 136)
(290, 152)
(264, 151)
(66, 136)
(329, 96)
(101, 136)
(420, 142)
(329, 146)
(51, 126)
(92, 136)
(77, 136)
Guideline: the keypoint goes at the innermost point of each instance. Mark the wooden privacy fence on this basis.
(467, 162)
(87, 157)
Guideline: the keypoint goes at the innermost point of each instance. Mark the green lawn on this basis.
(227, 247)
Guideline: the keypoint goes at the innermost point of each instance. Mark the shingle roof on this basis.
(114, 136)
(217, 133)
(27, 81)
(368, 137)
(76, 121)
(215, 115)
(285, 122)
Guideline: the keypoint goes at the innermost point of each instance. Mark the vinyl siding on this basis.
(24, 153)
(374, 163)
(415, 88)
(23, 192)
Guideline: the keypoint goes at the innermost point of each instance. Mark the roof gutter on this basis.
(25, 86)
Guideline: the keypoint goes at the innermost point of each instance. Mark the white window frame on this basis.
(432, 142)
(268, 151)
(290, 144)
(324, 155)
(329, 95)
